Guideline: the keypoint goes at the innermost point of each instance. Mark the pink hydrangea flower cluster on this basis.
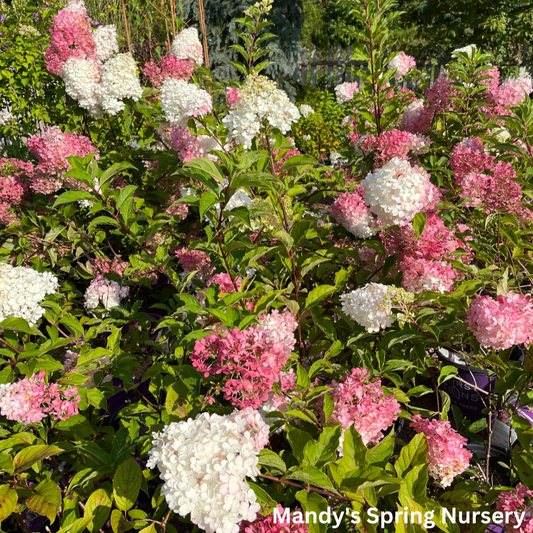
(447, 456)
(31, 399)
(423, 261)
(195, 260)
(252, 358)
(519, 501)
(191, 146)
(487, 183)
(280, 402)
(170, 67)
(417, 117)
(232, 96)
(402, 63)
(396, 143)
(510, 93)
(13, 186)
(501, 323)
(70, 37)
(51, 150)
(177, 210)
(362, 403)
(104, 265)
(435, 242)
(351, 212)
(266, 524)
(440, 94)
(423, 275)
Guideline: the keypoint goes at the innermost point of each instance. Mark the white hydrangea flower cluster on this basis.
(259, 100)
(370, 306)
(306, 110)
(109, 292)
(336, 159)
(204, 464)
(81, 78)
(106, 40)
(186, 45)
(345, 91)
(22, 290)
(118, 81)
(5, 116)
(397, 191)
(181, 100)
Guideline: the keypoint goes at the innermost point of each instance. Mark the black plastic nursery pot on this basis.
(470, 401)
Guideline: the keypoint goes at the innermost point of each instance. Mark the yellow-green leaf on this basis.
(46, 500)
(126, 484)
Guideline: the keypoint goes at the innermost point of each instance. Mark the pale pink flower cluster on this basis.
(267, 524)
(345, 91)
(501, 323)
(361, 403)
(195, 260)
(417, 117)
(14, 176)
(401, 144)
(51, 150)
(71, 37)
(280, 402)
(103, 290)
(511, 92)
(191, 146)
(402, 63)
(252, 358)
(517, 502)
(447, 456)
(170, 67)
(351, 212)
(30, 400)
(232, 96)
(423, 275)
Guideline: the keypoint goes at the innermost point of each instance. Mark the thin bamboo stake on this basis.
(204, 33)
(126, 25)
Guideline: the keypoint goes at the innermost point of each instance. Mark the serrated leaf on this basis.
(318, 294)
(269, 458)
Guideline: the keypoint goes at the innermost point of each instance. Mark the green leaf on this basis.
(207, 200)
(318, 294)
(297, 161)
(263, 498)
(99, 506)
(272, 459)
(46, 500)
(118, 523)
(419, 223)
(77, 425)
(298, 439)
(329, 406)
(16, 324)
(303, 378)
(78, 526)
(126, 484)
(73, 196)
(313, 502)
(178, 401)
(8, 501)
(30, 455)
(412, 455)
